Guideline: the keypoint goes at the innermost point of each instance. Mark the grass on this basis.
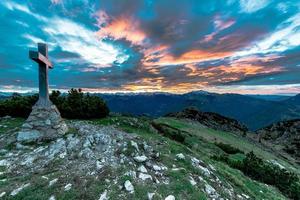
(10, 124)
(200, 144)
(212, 136)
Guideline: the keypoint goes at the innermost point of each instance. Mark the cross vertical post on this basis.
(41, 57)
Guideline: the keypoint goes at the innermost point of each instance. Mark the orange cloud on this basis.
(193, 56)
(146, 85)
(219, 26)
(124, 27)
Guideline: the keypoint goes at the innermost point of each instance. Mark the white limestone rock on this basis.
(192, 181)
(52, 197)
(140, 159)
(135, 145)
(150, 195)
(170, 197)
(144, 176)
(142, 169)
(16, 191)
(128, 186)
(68, 187)
(103, 196)
(2, 194)
(28, 136)
(180, 156)
(52, 182)
(156, 168)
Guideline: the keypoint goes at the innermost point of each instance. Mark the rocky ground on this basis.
(114, 159)
(283, 137)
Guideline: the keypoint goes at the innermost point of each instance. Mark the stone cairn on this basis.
(44, 122)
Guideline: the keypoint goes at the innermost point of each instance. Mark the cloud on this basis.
(286, 36)
(134, 45)
(75, 38)
(249, 6)
(124, 27)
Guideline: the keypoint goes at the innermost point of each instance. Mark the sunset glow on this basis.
(154, 46)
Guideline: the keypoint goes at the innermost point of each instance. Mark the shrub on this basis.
(254, 167)
(228, 148)
(17, 105)
(74, 105)
(77, 105)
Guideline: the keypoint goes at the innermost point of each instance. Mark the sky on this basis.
(177, 46)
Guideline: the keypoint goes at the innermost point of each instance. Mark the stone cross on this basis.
(41, 57)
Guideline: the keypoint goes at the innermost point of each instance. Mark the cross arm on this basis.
(39, 58)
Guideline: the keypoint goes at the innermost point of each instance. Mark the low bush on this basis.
(228, 148)
(254, 167)
(17, 105)
(74, 105)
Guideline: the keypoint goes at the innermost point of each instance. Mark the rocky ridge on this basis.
(119, 160)
(211, 120)
(282, 136)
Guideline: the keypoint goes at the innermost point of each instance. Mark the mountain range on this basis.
(255, 112)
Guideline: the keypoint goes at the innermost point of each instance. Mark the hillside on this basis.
(254, 112)
(211, 120)
(283, 137)
(126, 158)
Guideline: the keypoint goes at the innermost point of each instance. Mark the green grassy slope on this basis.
(200, 145)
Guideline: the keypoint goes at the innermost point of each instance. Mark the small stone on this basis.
(192, 181)
(205, 171)
(7, 117)
(103, 196)
(28, 136)
(128, 186)
(142, 169)
(131, 174)
(68, 187)
(99, 165)
(2, 194)
(135, 145)
(150, 195)
(140, 159)
(180, 156)
(52, 197)
(195, 161)
(27, 125)
(4, 163)
(16, 191)
(48, 122)
(209, 189)
(170, 197)
(246, 196)
(145, 176)
(62, 155)
(53, 182)
(156, 168)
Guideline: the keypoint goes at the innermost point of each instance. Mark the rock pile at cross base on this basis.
(91, 150)
(43, 123)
